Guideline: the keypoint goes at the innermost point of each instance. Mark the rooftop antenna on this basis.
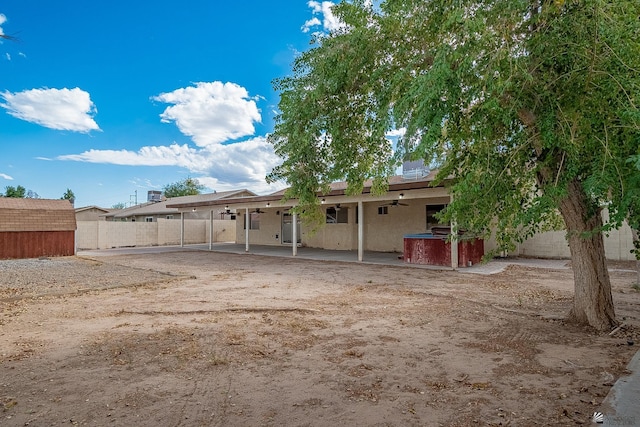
(135, 195)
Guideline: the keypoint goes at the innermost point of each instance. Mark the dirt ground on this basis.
(212, 339)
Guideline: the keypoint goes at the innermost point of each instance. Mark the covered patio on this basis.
(316, 254)
(358, 226)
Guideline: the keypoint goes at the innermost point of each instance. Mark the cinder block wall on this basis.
(87, 235)
(553, 244)
(146, 233)
(116, 234)
(169, 231)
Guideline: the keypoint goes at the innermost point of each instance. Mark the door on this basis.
(287, 229)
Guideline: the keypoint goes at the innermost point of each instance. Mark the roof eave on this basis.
(409, 185)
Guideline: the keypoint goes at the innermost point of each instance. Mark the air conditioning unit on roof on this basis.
(414, 170)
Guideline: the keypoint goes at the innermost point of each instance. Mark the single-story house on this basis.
(92, 213)
(363, 222)
(31, 228)
(402, 220)
(158, 208)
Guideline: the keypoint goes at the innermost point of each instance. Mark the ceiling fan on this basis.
(395, 203)
(258, 211)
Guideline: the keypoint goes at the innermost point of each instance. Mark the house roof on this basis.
(17, 214)
(163, 208)
(88, 208)
(396, 183)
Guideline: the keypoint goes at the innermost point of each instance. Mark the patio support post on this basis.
(181, 229)
(247, 223)
(295, 234)
(211, 229)
(360, 231)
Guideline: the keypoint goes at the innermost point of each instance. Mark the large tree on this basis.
(69, 195)
(186, 187)
(529, 108)
(17, 192)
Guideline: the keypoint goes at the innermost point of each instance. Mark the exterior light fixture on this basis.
(401, 195)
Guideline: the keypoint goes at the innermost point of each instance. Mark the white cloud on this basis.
(247, 161)
(173, 155)
(313, 22)
(5, 176)
(329, 21)
(61, 109)
(211, 112)
(143, 183)
(3, 19)
(221, 167)
(222, 185)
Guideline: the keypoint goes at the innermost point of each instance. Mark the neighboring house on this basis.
(31, 228)
(92, 213)
(151, 211)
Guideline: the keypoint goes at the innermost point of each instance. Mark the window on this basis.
(432, 221)
(148, 219)
(254, 221)
(169, 216)
(337, 215)
(383, 210)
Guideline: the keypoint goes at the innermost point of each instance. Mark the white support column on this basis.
(454, 241)
(294, 232)
(247, 224)
(360, 231)
(181, 229)
(211, 229)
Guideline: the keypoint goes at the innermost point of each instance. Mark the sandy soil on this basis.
(211, 339)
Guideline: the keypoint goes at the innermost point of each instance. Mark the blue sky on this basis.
(110, 98)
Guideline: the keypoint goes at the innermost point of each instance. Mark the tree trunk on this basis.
(636, 246)
(592, 302)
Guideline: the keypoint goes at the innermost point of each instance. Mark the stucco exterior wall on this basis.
(269, 232)
(92, 214)
(224, 230)
(337, 237)
(382, 232)
(385, 233)
(341, 236)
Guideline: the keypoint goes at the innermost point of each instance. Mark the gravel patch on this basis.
(37, 277)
